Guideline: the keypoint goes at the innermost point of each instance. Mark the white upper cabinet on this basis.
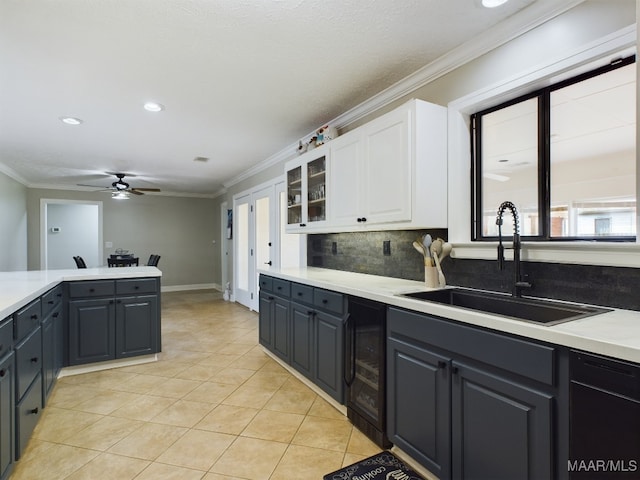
(307, 190)
(388, 174)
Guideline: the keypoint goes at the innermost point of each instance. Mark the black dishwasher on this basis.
(604, 418)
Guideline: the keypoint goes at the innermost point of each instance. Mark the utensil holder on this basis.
(431, 277)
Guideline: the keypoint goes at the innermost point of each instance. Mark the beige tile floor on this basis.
(213, 407)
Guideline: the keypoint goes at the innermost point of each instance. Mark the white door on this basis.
(264, 238)
(254, 225)
(242, 249)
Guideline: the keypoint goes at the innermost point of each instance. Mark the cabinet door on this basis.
(7, 414)
(265, 322)
(91, 331)
(59, 341)
(136, 325)
(387, 181)
(329, 356)
(419, 404)
(500, 429)
(346, 179)
(48, 357)
(281, 333)
(302, 339)
(296, 212)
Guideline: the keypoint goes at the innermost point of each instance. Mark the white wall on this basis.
(13, 225)
(180, 229)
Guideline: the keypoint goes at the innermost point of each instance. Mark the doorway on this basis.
(254, 234)
(69, 228)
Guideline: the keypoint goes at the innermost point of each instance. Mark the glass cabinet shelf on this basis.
(306, 189)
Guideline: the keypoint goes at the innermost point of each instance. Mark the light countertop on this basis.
(615, 333)
(18, 288)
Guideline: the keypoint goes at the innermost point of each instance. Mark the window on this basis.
(565, 155)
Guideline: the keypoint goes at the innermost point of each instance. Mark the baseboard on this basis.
(198, 286)
(96, 367)
(316, 389)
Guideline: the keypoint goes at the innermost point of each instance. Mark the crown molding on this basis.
(502, 33)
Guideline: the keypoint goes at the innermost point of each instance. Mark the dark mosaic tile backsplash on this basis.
(362, 252)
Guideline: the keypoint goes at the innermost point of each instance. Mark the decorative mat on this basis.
(383, 466)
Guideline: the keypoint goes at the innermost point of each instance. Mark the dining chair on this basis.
(80, 262)
(153, 260)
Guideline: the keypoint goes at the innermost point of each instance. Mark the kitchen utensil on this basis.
(446, 250)
(436, 248)
(427, 241)
(420, 248)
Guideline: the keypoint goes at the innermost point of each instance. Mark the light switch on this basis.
(108, 244)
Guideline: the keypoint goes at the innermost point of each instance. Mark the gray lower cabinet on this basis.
(7, 412)
(39, 339)
(303, 326)
(468, 403)
(52, 339)
(316, 347)
(419, 403)
(111, 319)
(91, 330)
(274, 324)
(136, 325)
(28, 372)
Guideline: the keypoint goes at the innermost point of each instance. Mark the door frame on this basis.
(44, 203)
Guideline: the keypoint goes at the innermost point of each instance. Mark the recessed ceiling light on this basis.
(493, 3)
(153, 107)
(70, 120)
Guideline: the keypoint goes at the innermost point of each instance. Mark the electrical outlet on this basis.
(386, 247)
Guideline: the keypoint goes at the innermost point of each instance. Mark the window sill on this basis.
(613, 254)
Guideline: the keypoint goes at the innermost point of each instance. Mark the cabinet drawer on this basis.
(302, 293)
(330, 301)
(28, 361)
(100, 288)
(136, 285)
(6, 335)
(511, 354)
(50, 299)
(27, 319)
(281, 287)
(28, 413)
(266, 283)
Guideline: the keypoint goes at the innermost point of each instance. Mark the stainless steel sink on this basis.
(546, 312)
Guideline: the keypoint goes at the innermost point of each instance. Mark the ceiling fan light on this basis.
(121, 195)
(153, 107)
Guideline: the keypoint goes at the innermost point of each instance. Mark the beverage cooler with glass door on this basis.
(365, 364)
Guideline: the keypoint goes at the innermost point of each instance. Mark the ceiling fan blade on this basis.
(134, 191)
(140, 189)
(92, 186)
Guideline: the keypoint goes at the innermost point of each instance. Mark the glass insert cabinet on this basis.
(307, 190)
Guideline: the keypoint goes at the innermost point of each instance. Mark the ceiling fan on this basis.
(121, 189)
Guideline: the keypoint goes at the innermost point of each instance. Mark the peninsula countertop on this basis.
(615, 333)
(19, 288)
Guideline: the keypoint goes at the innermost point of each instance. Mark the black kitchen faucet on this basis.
(518, 282)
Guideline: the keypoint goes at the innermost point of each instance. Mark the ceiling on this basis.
(241, 80)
